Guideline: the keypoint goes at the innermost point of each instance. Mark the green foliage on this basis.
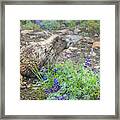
(76, 82)
(71, 24)
(51, 24)
(48, 74)
(90, 26)
(29, 25)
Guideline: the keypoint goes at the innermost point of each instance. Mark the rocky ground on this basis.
(40, 47)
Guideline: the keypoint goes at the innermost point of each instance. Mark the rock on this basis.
(23, 32)
(71, 40)
(32, 94)
(83, 40)
(72, 53)
(96, 67)
(92, 52)
(28, 86)
(42, 34)
(63, 32)
(40, 53)
(89, 40)
(77, 31)
(23, 86)
(27, 36)
(96, 35)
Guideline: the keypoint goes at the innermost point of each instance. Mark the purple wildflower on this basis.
(94, 70)
(87, 62)
(56, 81)
(47, 91)
(61, 98)
(56, 88)
(51, 90)
(55, 70)
(39, 22)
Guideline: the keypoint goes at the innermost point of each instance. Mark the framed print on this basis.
(60, 59)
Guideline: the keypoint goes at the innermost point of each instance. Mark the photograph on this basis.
(59, 59)
(62, 62)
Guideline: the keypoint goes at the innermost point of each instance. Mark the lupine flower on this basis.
(39, 22)
(47, 91)
(55, 70)
(88, 59)
(51, 90)
(94, 70)
(87, 62)
(56, 81)
(61, 98)
(56, 88)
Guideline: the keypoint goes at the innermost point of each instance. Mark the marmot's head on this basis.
(59, 44)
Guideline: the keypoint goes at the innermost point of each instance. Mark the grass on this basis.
(68, 81)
